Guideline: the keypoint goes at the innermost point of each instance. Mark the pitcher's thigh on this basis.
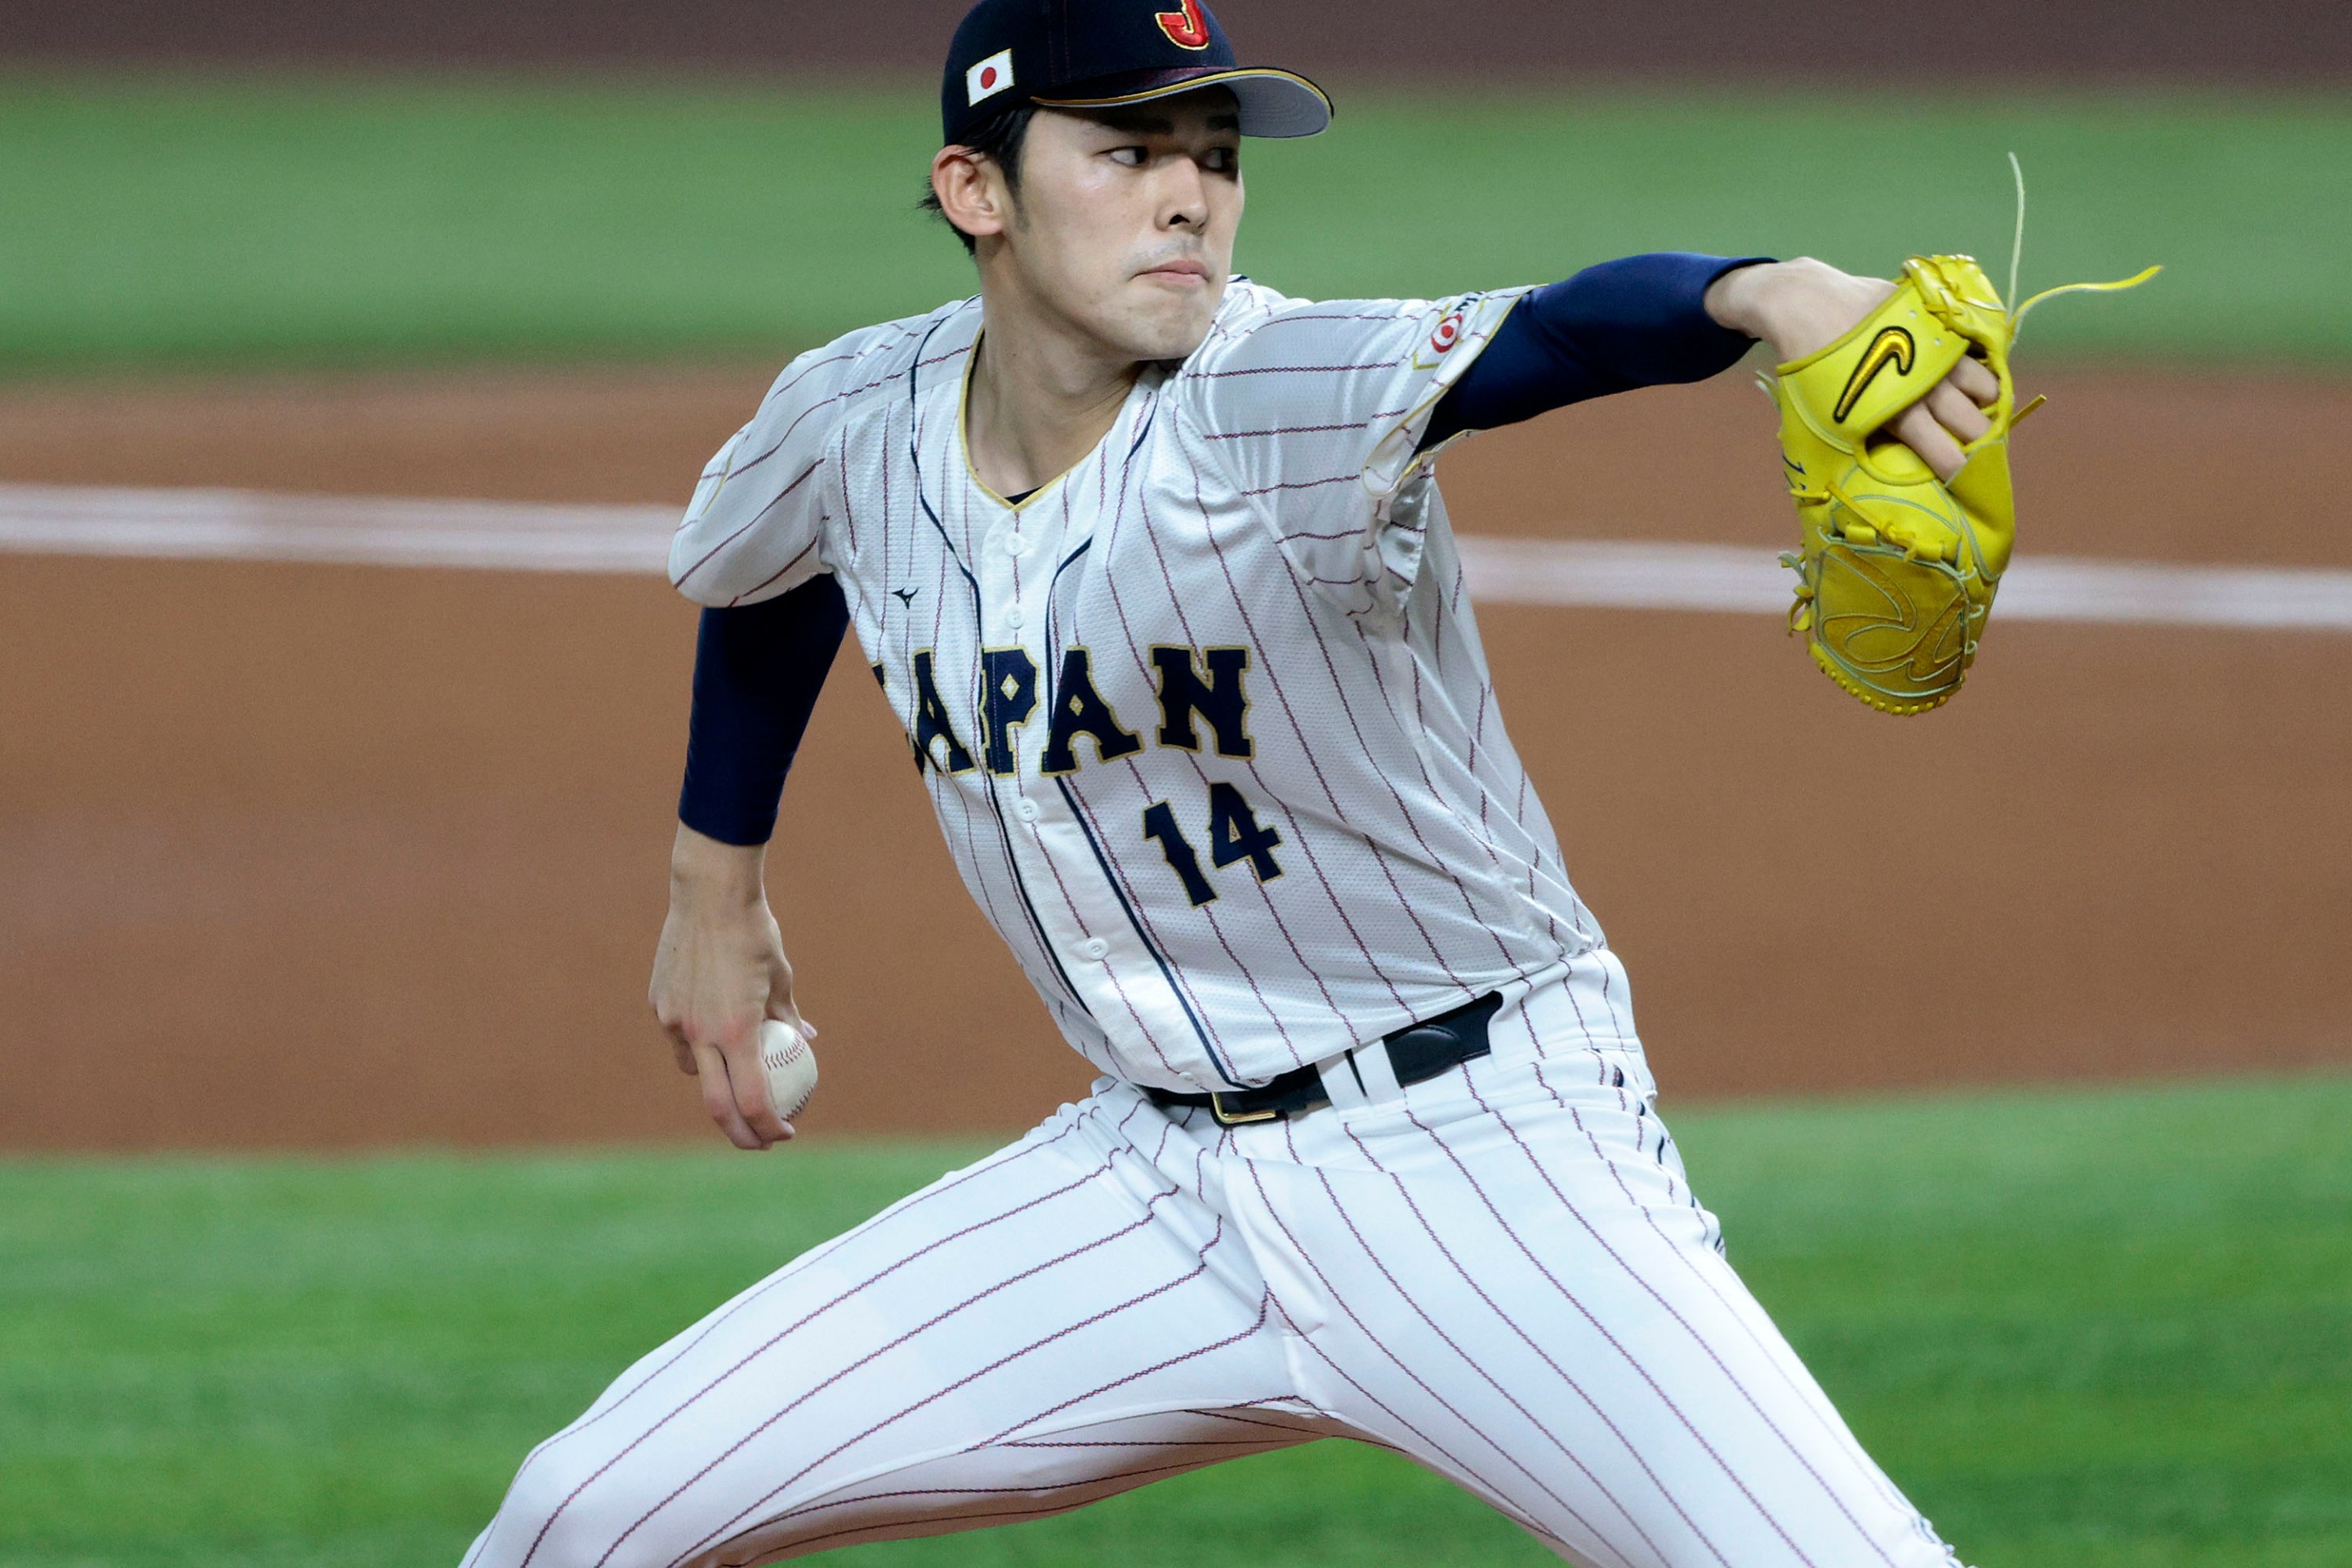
(1036, 1290)
(1532, 1305)
(1023, 1478)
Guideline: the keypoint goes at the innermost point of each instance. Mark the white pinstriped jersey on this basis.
(1206, 721)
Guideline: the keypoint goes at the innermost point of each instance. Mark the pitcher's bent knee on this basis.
(574, 1509)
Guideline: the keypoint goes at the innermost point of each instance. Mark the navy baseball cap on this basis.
(1095, 54)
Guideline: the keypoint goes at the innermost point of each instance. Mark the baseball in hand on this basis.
(790, 1068)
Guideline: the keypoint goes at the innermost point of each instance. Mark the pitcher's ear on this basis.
(971, 191)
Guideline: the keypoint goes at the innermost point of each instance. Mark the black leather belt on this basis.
(1418, 1052)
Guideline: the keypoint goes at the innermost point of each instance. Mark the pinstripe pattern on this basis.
(1502, 1272)
(1263, 497)
(1499, 1273)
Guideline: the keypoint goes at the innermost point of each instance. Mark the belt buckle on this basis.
(1238, 1119)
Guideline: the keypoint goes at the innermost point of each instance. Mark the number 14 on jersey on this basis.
(1235, 834)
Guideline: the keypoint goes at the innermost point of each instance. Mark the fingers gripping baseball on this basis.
(721, 974)
(718, 975)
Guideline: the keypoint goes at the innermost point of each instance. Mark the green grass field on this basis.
(2085, 1330)
(227, 221)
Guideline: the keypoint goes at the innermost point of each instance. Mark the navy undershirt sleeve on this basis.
(1639, 322)
(757, 673)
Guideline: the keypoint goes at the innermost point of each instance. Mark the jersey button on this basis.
(1026, 810)
(1015, 546)
(1096, 951)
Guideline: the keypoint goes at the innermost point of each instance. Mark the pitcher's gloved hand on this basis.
(1898, 565)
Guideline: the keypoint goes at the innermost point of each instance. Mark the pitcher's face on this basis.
(1125, 221)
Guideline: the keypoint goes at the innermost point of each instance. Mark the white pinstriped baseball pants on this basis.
(1500, 1273)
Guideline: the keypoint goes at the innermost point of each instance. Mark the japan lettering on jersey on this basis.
(1206, 720)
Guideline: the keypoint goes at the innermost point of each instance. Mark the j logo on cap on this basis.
(1187, 27)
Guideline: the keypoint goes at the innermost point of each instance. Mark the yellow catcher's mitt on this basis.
(1897, 575)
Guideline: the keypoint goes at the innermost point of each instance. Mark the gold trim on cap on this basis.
(1193, 84)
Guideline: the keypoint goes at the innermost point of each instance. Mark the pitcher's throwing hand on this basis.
(1151, 562)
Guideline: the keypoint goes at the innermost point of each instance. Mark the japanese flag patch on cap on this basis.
(1090, 55)
(989, 76)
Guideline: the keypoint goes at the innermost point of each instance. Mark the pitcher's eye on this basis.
(1133, 157)
(1223, 160)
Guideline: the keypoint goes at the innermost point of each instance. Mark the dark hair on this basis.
(999, 138)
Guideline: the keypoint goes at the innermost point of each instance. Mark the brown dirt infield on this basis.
(319, 856)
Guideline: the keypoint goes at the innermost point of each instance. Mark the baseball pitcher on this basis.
(1151, 562)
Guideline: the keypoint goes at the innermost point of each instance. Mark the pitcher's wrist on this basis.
(701, 869)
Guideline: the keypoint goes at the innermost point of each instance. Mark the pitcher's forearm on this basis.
(758, 670)
(706, 873)
(1638, 321)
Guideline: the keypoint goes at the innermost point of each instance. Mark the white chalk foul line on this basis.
(1608, 575)
(514, 536)
(243, 525)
